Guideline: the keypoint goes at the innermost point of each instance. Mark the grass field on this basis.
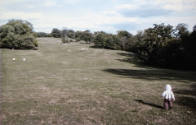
(74, 84)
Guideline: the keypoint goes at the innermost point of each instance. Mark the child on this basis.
(168, 96)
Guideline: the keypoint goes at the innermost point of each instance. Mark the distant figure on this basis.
(24, 59)
(168, 96)
(13, 59)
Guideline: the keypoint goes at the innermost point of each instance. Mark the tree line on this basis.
(161, 45)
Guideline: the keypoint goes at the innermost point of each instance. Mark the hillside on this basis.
(74, 84)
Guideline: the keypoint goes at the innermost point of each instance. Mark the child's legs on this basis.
(166, 104)
(170, 104)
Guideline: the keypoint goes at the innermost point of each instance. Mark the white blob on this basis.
(24, 59)
(84, 49)
(85, 78)
(13, 59)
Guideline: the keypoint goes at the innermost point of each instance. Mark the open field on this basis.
(72, 84)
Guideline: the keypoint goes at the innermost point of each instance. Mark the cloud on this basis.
(71, 1)
(109, 16)
(4, 2)
(142, 9)
(145, 12)
(20, 15)
(49, 3)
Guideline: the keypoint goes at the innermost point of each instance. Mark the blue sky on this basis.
(99, 15)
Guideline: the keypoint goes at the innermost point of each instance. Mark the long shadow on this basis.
(133, 58)
(187, 101)
(187, 97)
(149, 104)
(188, 92)
(184, 97)
(153, 74)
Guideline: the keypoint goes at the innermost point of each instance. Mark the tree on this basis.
(152, 41)
(182, 30)
(84, 35)
(17, 34)
(42, 34)
(108, 41)
(126, 40)
(56, 33)
(123, 33)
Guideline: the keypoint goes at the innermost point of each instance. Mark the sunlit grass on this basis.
(74, 84)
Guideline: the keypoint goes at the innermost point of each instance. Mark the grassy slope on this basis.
(64, 84)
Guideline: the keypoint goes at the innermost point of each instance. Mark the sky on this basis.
(99, 15)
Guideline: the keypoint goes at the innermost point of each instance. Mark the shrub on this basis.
(104, 40)
(56, 33)
(66, 39)
(17, 34)
(42, 34)
(84, 35)
(126, 40)
(68, 36)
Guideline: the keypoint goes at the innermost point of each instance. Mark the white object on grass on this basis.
(168, 93)
(13, 59)
(84, 49)
(24, 59)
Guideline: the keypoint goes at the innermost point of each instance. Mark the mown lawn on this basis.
(74, 84)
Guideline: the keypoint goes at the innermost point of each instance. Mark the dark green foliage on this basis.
(84, 35)
(125, 34)
(72, 36)
(56, 33)
(66, 39)
(162, 45)
(189, 47)
(152, 40)
(167, 47)
(108, 41)
(68, 36)
(68, 33)
(126, 40)
(17, 34)
(194, 28)
(43, 34)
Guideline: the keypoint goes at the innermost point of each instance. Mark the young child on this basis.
(168, 96)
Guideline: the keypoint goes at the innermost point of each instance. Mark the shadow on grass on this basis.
(153, 74)
(149, 104)
(188, 92)
(133, 58)
(187, 97)
(187, 101)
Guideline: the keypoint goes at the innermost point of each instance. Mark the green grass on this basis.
(64, 84)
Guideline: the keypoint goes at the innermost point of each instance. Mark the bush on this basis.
(66, 39)
(17, 34)
(126, 40)
(108, 41)
(68, 36)
(84, 35)
(56, 33)
(165, 46)
(152, 40)
(42, 34)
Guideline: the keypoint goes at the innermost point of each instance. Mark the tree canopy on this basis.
(17, 34)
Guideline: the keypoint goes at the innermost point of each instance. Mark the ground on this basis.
(74, 84)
